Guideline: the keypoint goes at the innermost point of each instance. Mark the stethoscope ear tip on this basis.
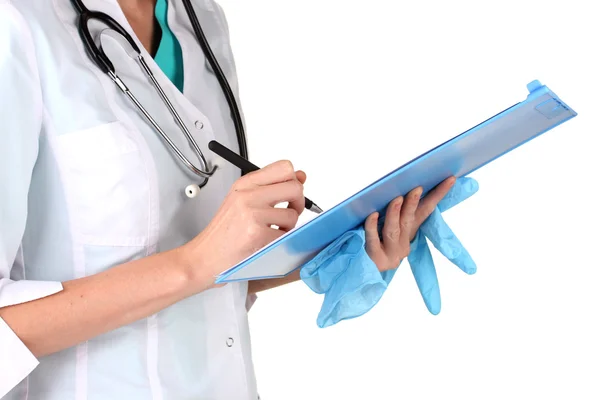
(192, 191)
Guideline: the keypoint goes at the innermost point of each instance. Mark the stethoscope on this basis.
(97, 55)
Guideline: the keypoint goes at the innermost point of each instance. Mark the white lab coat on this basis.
(87, 184)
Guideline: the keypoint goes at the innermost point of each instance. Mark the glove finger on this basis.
(423, 269)
(463, 189)
(446, 242)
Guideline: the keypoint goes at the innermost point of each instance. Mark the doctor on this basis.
(106, 267)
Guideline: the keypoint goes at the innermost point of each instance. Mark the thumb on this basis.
(375, 250)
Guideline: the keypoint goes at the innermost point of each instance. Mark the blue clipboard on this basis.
(465, 153)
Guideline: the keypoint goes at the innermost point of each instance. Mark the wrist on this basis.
(193, 261)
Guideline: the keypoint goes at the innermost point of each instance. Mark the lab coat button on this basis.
(199, 125)
(229, 342)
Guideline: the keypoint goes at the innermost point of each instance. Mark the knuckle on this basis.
(407, 222)
(253, 231)
(287, 167)
(392, 234)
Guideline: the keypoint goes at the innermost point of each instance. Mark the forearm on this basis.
(100, 303)
(266, 284)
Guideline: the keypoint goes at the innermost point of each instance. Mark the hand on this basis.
(245, 221)
(403, 218)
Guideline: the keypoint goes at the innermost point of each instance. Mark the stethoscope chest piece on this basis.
(191, 191)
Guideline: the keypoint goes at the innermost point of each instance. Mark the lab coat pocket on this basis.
(106, 182)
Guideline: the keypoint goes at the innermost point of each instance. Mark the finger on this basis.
(285, 218)
(280, 171)
(373, 243)
(407, 214)
(442, 237)
(299, 206)
(301, 176)
(268, 196)
(423, 269)
(267, 235)
(431, 200)
(391, 228)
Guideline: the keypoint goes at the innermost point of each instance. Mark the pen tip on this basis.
(316, 208)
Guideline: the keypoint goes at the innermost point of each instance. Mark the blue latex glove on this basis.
(353, 285)
(347, 276)
(441, 236)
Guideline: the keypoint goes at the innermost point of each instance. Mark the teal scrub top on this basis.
(168, 56)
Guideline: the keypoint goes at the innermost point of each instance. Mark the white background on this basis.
(350, 90)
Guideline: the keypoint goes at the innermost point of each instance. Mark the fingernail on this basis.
(419, 192)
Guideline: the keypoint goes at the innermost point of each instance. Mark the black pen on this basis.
(246, 167)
